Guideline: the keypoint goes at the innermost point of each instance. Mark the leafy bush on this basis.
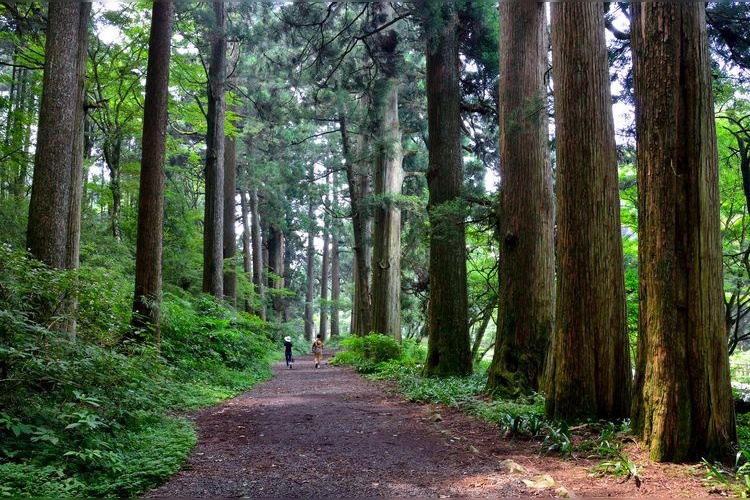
(367, 353)
(88, 417)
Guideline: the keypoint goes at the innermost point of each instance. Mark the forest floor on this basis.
(329, 433)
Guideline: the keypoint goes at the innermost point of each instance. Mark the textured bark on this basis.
(335, 264)
(73, 247)
(448, 349)
(310, 273)
(588, 373)
(47, 232)
(112, 151)
(359, 189)
(335, 286)
(230, 234)
(148, 259)
(324, 270)
(683, 407)
(526, 213)
(275, 244)
(257, 244)
(213, 220)
(388, 179)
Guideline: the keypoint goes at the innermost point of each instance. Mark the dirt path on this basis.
(329, 433)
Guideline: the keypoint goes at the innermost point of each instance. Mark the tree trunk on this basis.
(589, 374)
(148, 265)
(112, 154)
(324, 270)
(358, 191)
(683, 407)
(275, 246)
(257, 243)
(449, 349)
(310, 265)
(47, 232)
(335, 266)
(526, 213)
(213, 246)
(247, 258)
(388, 178)
(230, 234)
(73, 247)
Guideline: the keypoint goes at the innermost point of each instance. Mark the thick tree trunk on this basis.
(526, 213)
(683, 406)
(388, 179)
(73, 247)
(47, 232)
(335, 266)
(589, 374)
(358, 190)
(230, 234)
(213, 246)
(148, 265)
(448, 350)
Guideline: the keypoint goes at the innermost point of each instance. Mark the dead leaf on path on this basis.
(513, 467)
(540, 482)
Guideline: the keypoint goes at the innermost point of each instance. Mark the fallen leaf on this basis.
(513, 467)
(540, 482)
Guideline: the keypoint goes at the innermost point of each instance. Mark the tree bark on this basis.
(257, 243)
(526, 212)
(47, 232)
(589, 374)
(247, 258)
(324, 271)
(73, 247)
(388, 179)
(230, 234)
(148, 258)
(335, 266)
(448, 349)
(310, 274)
(358, 190)
(683, 407)
(213, 246)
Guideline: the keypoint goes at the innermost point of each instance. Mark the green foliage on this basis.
(367, 354)
(89, 418)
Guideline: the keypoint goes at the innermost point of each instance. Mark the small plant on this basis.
(557, 439)
(620, 465)
(737, 480)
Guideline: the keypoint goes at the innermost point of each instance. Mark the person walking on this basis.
(317, 350)
(288, 352)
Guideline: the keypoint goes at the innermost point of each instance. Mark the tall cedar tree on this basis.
(213, 221)
(229, 232)
(388, 178)
(148, 254)
(73, 247)
(588, 373)
(47, 232)
(448, 351)
(683, 406)
(359, 190)
(526, 213)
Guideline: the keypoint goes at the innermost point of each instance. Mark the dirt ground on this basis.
(328, 433)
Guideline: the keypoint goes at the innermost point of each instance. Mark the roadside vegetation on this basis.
(380, 358)
(101, 417)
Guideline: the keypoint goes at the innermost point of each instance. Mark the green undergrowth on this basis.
(98, 416)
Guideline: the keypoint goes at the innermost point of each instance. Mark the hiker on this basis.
(317, 350)
(288, 352)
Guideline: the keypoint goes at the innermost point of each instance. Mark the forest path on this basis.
(329, 433)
